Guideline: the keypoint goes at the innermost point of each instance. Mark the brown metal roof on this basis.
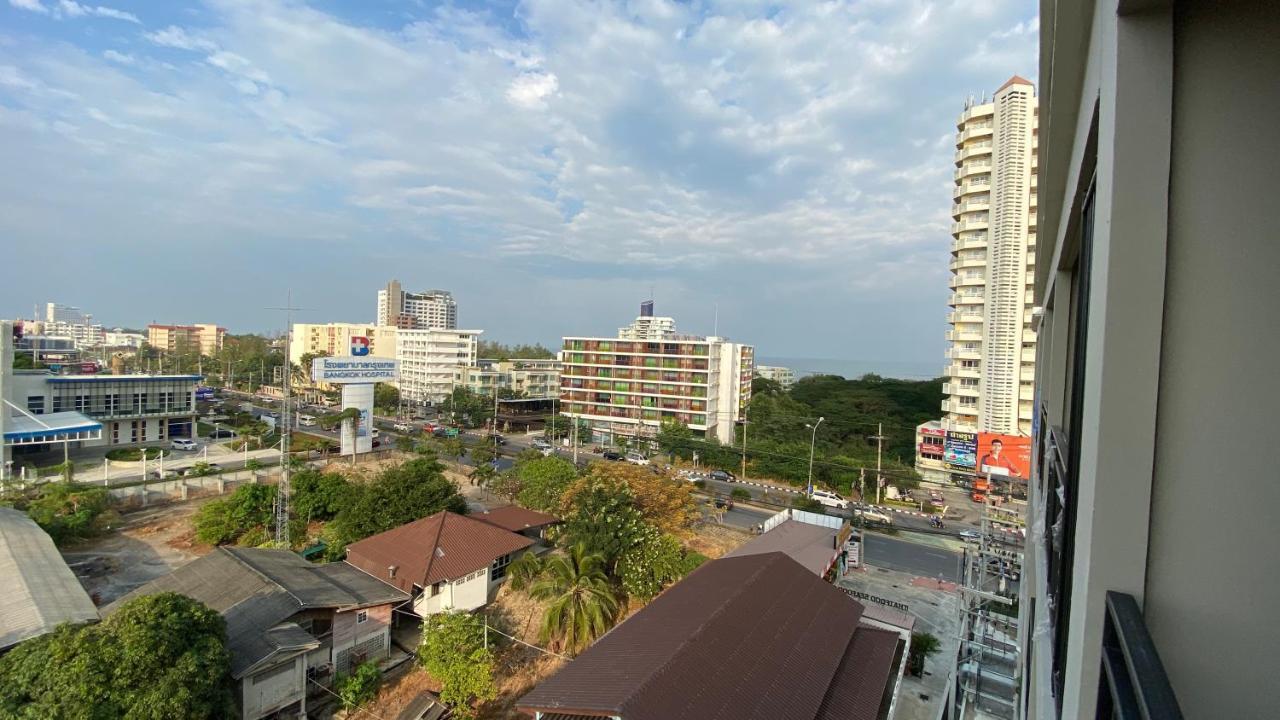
(813, 546)
(858, 688)
(515, 518)
(746, 638)
(444, 546)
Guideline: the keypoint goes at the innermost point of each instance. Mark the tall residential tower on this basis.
(429, 310)
(991, 357)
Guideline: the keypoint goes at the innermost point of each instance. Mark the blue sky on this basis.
(551, 162)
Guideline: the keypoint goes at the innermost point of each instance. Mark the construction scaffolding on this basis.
(986, 676)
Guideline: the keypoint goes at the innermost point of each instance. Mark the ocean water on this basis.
(850, 369)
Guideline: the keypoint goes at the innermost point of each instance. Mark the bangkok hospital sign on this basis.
(354, 370)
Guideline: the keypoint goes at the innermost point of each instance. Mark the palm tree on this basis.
(584, 605)
(525, 570)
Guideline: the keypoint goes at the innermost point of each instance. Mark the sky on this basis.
(778, 172)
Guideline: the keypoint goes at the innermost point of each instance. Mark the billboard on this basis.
(1004, 455)
(960, 449)
(341, 370)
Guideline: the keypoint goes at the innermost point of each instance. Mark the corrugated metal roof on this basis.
(256, 590)
(812, 546)
(515, 518)
(39, 590)
(857, 690)
(51, 425)
(444, 546)
(757, 636)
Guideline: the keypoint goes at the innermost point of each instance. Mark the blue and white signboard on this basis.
(354, 370)
(357, 375)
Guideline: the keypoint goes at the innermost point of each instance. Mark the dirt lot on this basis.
(715, 540)
(149, 544)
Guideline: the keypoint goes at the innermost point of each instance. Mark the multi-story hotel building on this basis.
(786, 377)
(526, 378)
(991, 354)
(205, 338)
(628, 388)
(430, 359)
(431, 309)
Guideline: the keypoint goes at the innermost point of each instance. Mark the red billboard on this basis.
(1008, 455)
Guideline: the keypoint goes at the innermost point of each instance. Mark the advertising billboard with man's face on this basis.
(1007, 455)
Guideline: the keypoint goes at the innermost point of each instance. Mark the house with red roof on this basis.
(445, 561)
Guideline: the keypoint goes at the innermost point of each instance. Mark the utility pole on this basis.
(282, 490)
(744, 444)
(575, 441)
(879, 438)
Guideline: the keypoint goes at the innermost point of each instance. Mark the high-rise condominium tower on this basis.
(991, 357)
(429, 310)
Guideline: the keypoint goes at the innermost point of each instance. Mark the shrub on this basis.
(360, 686)
(740, 494)
(453, 652)
(922, 646)
(68, 511)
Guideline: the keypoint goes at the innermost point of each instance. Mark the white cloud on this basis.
(118, 57)
(531, 89)
(71, 9)
(32, 5)
(175, 37)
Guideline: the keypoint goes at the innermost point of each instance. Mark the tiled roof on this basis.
(39, 590)
(515, 518)
(444, 546)
(749, 638)
(1015, 80)
(859, 685)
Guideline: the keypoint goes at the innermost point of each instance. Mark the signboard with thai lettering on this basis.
(877, 600)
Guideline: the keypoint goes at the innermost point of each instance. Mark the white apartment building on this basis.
(786, 377)
(58, 313)
(204, 337)
(431, 309)
(118, 338)
(335, 340)
(991, 354)
(646, 326)
(429, 360)
(628, 388)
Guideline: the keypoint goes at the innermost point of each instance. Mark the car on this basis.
(221, 434)
(723, 503)
(445, 432)
(722, 476)
(402, 427)
(183, 444)
(540, 444)
(636, 458)
(611, 455)
(936, 498)
(829, 499)
(970, 535)
(495, 438)
(873, 516)
(163, 474)
(306, 420)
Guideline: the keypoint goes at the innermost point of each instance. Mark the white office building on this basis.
(647, 326)
(786, 377)
(59, 313)
(430, 309)
(430, 361)
(991, 343)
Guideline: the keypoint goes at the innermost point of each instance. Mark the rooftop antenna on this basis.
(286, 379)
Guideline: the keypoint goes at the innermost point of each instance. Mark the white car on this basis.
(306, 420)
(830, 499)
(637, 459)
(540, 444)
(970, 535)
(403, 427)
(184, 444)
(873, 516)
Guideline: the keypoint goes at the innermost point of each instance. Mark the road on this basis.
(906, 556)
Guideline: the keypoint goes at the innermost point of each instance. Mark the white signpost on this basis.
(357, 375)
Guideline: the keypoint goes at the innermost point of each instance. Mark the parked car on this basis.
(722, 476)
(636, 458)
(221, 434)
(306, 420)
(829, 499)
(611, 455)
(183, 444)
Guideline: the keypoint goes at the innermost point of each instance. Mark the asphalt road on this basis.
(924, 560)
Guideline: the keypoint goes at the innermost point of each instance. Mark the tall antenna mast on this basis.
(282, 490)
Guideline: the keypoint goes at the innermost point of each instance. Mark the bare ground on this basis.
(150, 543)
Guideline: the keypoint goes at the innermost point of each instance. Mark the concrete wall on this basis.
(1212, 589)
(270, 690)
(467, 593)
(349, 633)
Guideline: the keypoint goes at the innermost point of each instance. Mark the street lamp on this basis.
(812, 441)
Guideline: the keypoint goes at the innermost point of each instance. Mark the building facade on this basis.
(120, 339)
(627, 388)
(786, 377)
(537, 378)
(133, 409)
(429, 360)
(204, 338)
(647, 326)
(59, 313)
(1153, 497)
(335, 340)
(428, 310)
(991, 352)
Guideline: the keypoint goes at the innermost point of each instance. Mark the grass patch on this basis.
(134, 454)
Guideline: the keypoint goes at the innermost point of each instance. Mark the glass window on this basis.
(35, 404)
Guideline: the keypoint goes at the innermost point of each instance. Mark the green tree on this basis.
(453, 447)
(360, 686)
(404, 443)
(583, 605)
(398, 495)
(808, 504)
(67, 511)
(525, 570)
(482, 457)
(923, 644)
(453, 652)
(491, 350)
(740, 494)
(386, 396)
(223, 521)
(317, 495)
(543, 482)
(469, 408)
(651, 565)
(601, 516)
(157, 657)
(676, 439)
